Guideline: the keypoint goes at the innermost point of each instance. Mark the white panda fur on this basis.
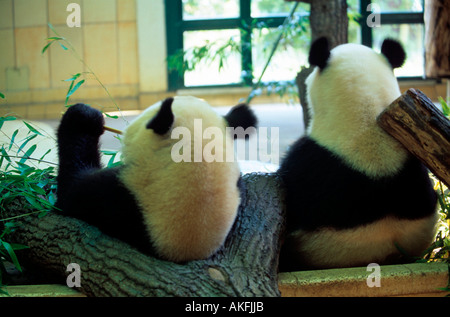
(189, 207)
(345, 104)
(174, 211)
(345, 152)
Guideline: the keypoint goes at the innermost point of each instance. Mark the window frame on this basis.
(175, 26)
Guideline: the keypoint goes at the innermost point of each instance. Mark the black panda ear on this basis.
(394, 52)
(163, 120)
(319, 53)
(241, 116)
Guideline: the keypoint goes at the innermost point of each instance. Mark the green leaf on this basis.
(13, 137)
(74, 77)
(37, 189)
(110, 116)
(64, 48)
(46, 47)
(33, 202)
(11, 254)
(28, 139)
(43, 156)
(28, 153)
(71, 91)
(52, 28)
(2, 96)
(4, 119)
(5, 154)
(445, 107)
(32, 129)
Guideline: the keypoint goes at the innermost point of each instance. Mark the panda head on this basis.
(349, 87)
(151, 133)
(352, 79)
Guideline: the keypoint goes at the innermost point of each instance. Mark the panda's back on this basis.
(189, 214)
(331, 206)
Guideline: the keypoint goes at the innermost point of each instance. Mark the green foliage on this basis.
(188, 60)
(81, 77)
(22, 180)
(440, 249)
(21, 177)
(445, 107)
(286, 36)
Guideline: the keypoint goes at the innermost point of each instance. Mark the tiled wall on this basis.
(123, 41)
(107, 41)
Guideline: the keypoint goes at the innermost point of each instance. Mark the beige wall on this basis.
(108, 41)
(123, 41)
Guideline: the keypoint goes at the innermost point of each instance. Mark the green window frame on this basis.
(176, 25)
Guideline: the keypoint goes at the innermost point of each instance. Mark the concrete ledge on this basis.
(41, 291)
(417, 279)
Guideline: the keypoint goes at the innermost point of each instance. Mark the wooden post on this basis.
(416, 123)
(437, 33)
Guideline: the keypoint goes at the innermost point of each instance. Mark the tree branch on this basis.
(416, 123)
(245, 266)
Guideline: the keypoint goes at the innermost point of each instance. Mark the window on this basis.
(399, 19)
(230, 41)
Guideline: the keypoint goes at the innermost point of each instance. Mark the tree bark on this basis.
(416, 123)
(327, 18)
(437, 34)
(245, 266)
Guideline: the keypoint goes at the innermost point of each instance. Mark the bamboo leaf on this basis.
(70, 93)
(28, 153)
(11, 254)
(28, 139)
(5, 154)
(4, 119)
(74, 77)
(32, 129)
(52, 28)
(13, 137)
(64, 48)
(46, 47)
(42, 157)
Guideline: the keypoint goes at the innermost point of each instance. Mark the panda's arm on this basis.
(78, 144)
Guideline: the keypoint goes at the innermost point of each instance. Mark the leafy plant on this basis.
(294, 26)
(441, 250)
(77, 80)
(22, 179)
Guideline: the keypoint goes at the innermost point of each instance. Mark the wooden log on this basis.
(437, 34)
(416, 123)
(245, 266)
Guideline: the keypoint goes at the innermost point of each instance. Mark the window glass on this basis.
(223, 62)
(210, 9)
(291, 53)
(399, 5)
(412, 38)
(354, 29)
(264, 8)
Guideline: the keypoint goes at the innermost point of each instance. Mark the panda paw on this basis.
(82, 119)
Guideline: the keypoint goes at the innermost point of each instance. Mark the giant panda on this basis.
(354, 195)
(175, 211)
